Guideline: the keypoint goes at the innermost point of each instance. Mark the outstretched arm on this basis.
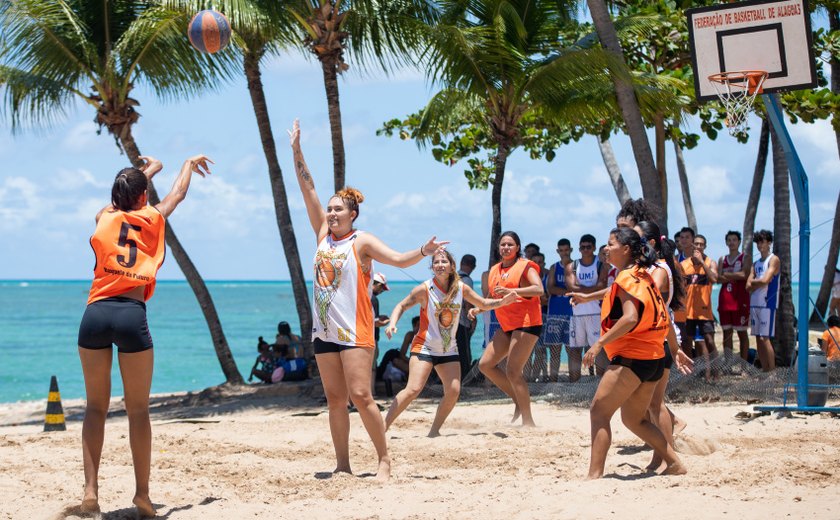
(196, 164)
(485, 304)
(371, 247)
(151, 166)
(417, 295)
(307, 186)
(628, 320)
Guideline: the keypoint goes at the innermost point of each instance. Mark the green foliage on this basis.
(55, 51)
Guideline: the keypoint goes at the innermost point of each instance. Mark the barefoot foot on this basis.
(675, 469)
(383, 473)
(90, 505)
(433, 434)
(144, 507)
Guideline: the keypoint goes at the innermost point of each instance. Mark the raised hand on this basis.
(198, 164)
(151, 166)
(294, 135)
(431, 247)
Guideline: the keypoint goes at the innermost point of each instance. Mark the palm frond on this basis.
(446, 112)
(32, 99)
(156, 50)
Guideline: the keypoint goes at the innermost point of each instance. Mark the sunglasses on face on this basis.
(584, 247)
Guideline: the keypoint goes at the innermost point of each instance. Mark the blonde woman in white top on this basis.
(343, 315)
(434, 345)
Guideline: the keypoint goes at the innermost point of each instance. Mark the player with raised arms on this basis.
(434, 346)
(343, 325)
(129, 247)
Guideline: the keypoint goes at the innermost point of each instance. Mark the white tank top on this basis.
(342, 309)
(438, 321)
(767, 296)
(661, 264)
(587, 276)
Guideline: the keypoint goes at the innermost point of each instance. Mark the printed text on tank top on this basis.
(586, 275)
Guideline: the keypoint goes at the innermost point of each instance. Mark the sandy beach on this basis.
(266, 453)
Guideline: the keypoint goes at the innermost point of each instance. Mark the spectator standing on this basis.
(585, 276)
(466, 326)
(763, 285)
(699, 273)
(734, 300)
(559, 316)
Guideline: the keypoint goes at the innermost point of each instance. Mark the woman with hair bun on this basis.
(520, 323)
(434, 346)
(634, 324)
(343, 324)
(129, 247)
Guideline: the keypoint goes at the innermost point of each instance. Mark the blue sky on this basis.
(53, 180)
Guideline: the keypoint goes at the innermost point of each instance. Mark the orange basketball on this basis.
(325, 273)
(445, 318)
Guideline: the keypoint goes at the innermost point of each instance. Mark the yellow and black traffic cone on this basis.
(54, 420)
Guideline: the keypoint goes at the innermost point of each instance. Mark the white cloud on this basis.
(709, 183)
(82, 138)
(67, 180)
(20, 202)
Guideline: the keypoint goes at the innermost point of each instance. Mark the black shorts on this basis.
(647, 370)
(328, 347)
(115, 321)
(438, 360)
(534, 330)
(704, 326)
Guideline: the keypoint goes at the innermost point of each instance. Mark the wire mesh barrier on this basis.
(732, 380)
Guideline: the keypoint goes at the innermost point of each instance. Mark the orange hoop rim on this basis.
(755, 79)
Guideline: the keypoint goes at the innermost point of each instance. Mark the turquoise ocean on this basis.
(39, 323)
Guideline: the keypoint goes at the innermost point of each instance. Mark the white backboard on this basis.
(769, 35)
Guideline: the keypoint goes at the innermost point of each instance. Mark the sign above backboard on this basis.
(768, 35)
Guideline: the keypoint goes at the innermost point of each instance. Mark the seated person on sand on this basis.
(264, 365)
(286, 343)
(394, 364)
(830, 341)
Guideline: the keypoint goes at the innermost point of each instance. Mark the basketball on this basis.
(445, 318)
(325, 274)
(209, 31)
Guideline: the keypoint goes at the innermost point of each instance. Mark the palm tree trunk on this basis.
(785, 338)
(755, 189)
(496, 200)
(202, 294)
(834, 26)
(613, 170)
(278, 191)
(331, 85)
(686, 192)
(821, 305)
(659, 133)
(630, 112)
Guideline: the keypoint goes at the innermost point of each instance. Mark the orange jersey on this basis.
(698, 290)
(524, 312)
(645, 340)
(129, 248)
(831, 346)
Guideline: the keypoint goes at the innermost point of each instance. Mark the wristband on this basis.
(421, 252)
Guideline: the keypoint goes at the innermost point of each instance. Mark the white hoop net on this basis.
(737, 92)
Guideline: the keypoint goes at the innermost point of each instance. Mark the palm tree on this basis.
(55, 52)
(500, 63)
(785, 339)
(630, 111)
(259, 34)
(610, 163)
(755, 188)
(686, 192)
(380, 30)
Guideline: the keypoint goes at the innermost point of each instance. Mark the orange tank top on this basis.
(129, 248)
(698, 290)
(524, 312)
(645, 340)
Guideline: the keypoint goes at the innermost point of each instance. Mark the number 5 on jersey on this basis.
(124, 241)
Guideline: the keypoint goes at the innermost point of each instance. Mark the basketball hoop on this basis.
(737, 92)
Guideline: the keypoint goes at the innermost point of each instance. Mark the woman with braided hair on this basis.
(634, 324)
